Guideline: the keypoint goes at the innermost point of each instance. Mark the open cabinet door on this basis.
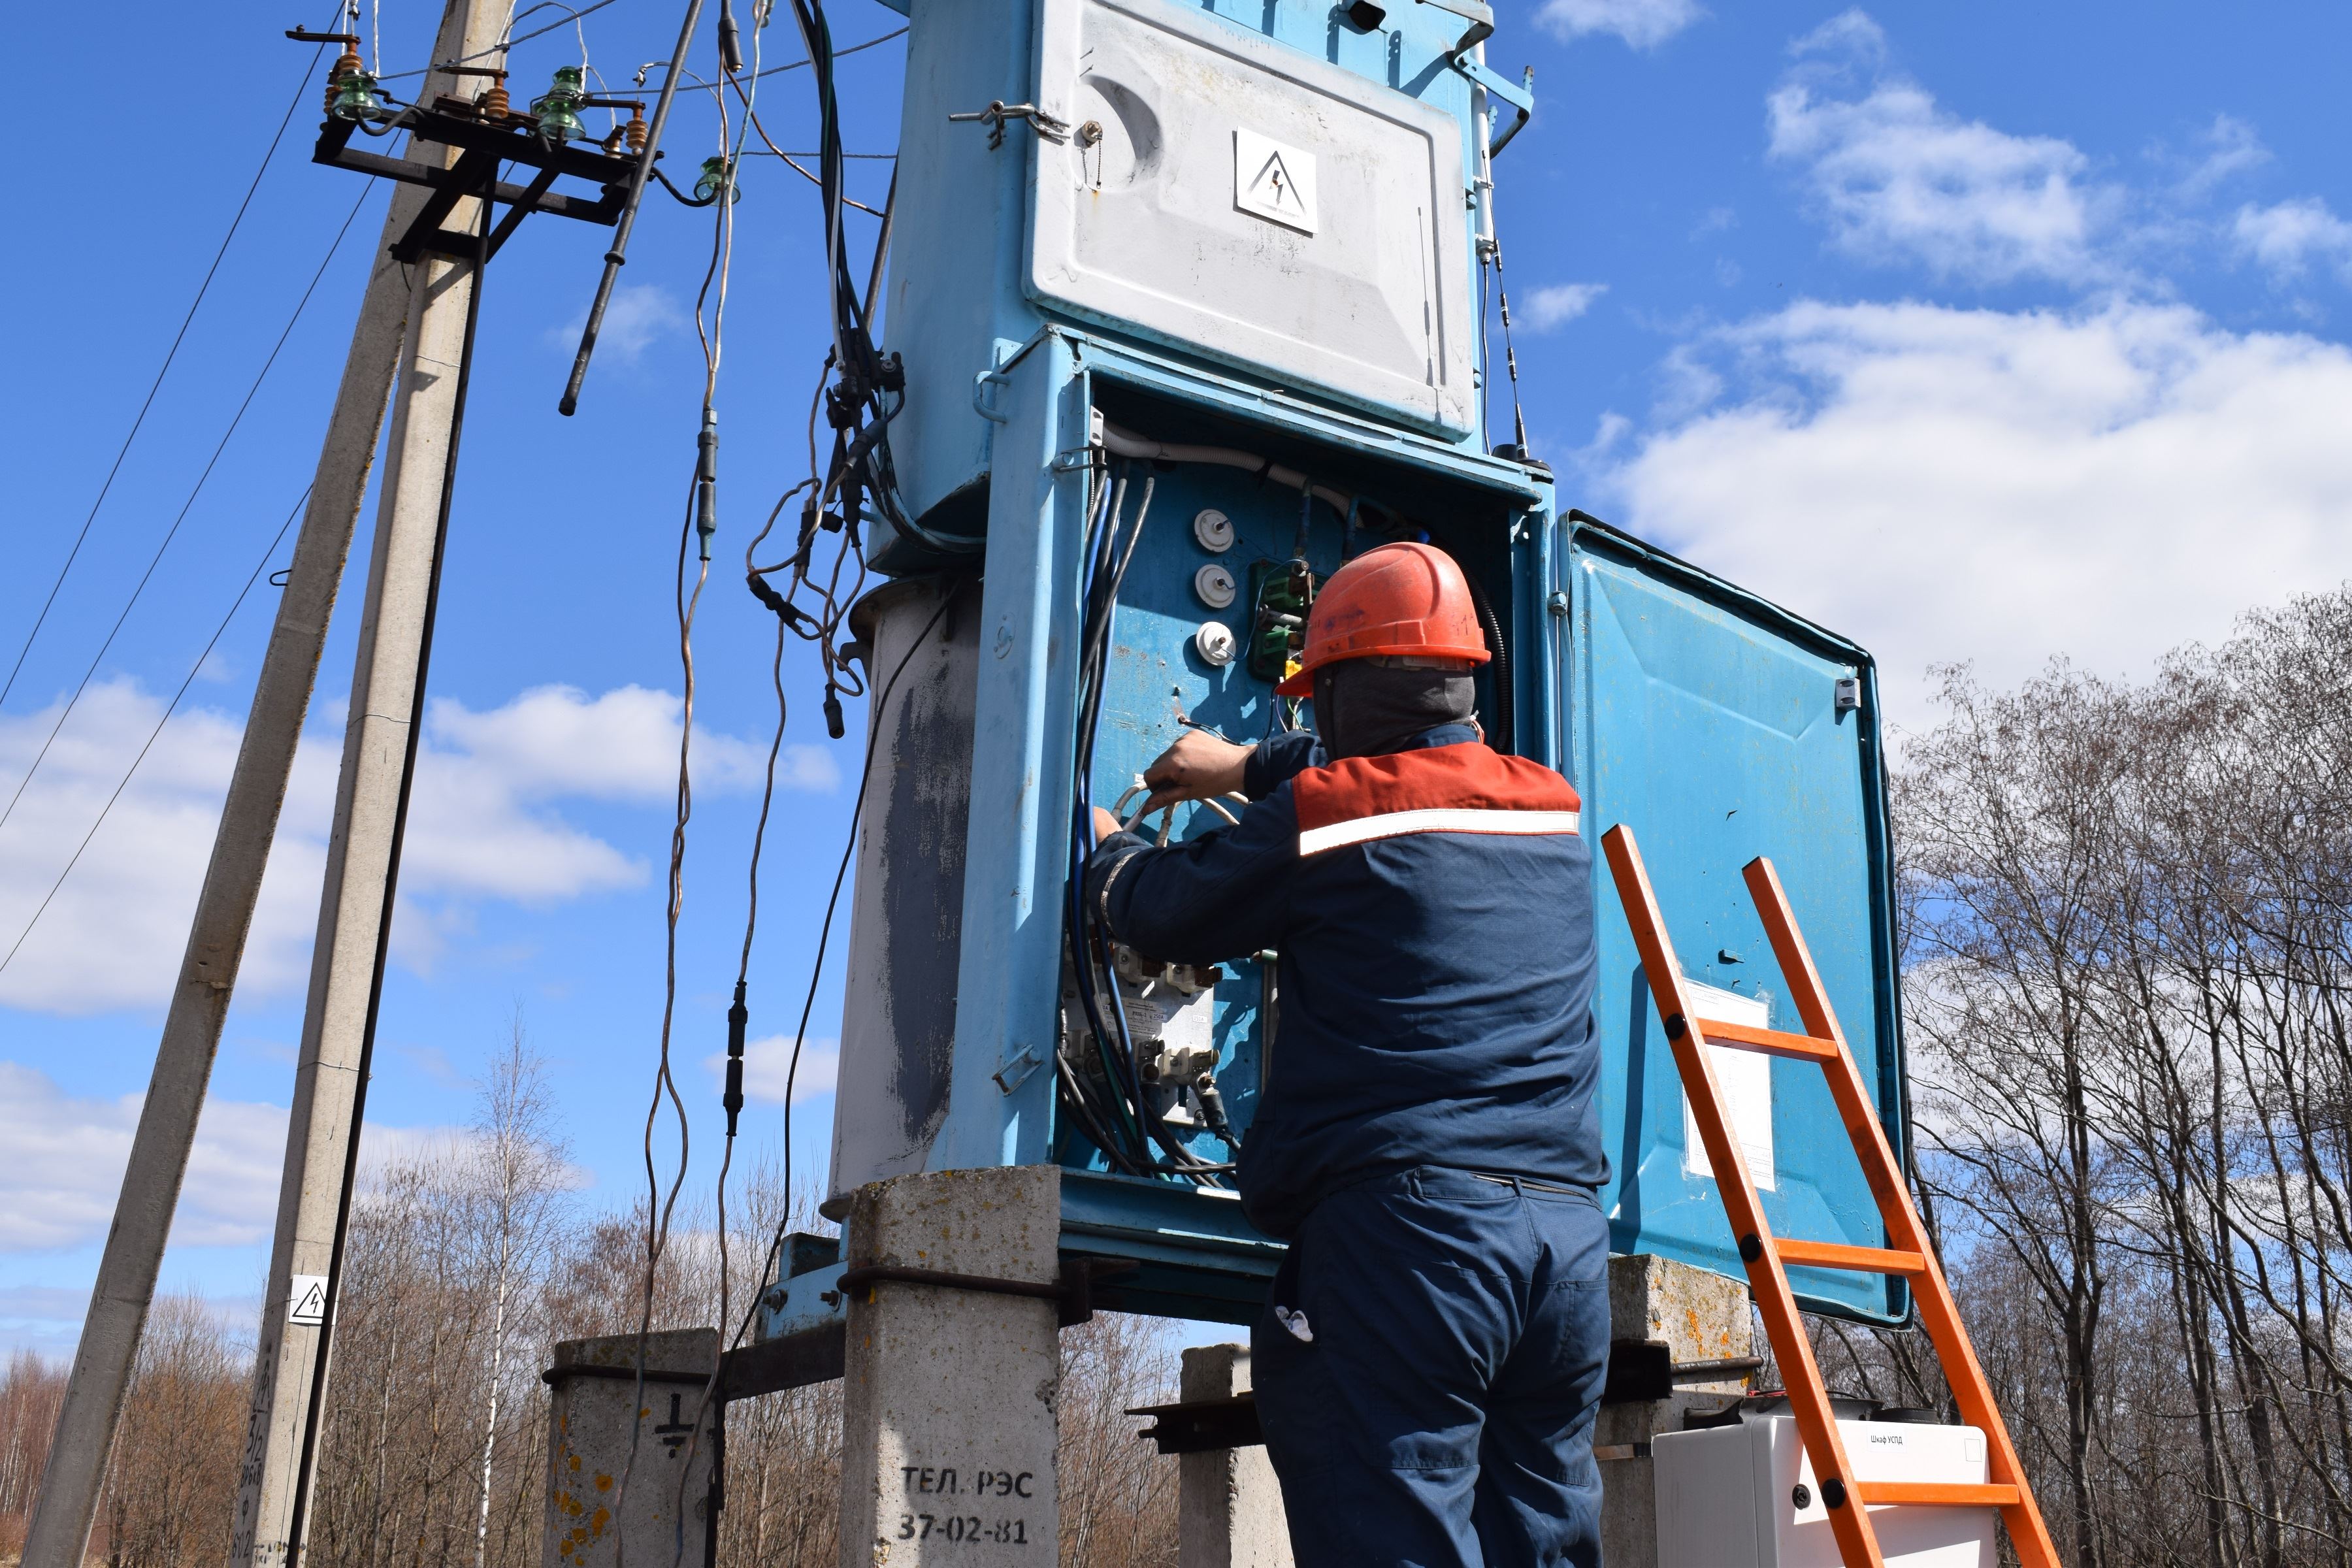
(1721, 728)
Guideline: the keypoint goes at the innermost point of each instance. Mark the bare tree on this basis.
(521, 1178)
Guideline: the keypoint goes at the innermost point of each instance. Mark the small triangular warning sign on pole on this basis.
(306, 1302)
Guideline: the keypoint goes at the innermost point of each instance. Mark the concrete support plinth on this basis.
(948, 1394)
(596, 1409)
(1699, 1316)
(1229, 1505)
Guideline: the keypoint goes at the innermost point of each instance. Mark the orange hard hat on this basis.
(1398, 599)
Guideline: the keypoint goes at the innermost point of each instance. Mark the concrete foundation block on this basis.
(949, 1395)
(596, 1408)
(1229, 1503)
(1699, 1316)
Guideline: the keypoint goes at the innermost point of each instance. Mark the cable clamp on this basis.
(1048, 127)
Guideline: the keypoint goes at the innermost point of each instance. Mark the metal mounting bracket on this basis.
(482, 146)
(994, 116)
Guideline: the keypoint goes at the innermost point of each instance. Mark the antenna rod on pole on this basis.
(618, 256)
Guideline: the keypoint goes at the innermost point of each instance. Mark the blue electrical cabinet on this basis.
(1055, 294)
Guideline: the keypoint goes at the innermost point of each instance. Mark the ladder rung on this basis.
(1937, 1494)
(1772, 1042)
(1861, 1260)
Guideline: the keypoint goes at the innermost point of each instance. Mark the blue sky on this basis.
(1990, 334)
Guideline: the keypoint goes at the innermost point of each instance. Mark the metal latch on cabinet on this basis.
(1071, 459)
(994, 116)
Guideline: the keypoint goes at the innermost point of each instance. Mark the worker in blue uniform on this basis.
(1430, 1357)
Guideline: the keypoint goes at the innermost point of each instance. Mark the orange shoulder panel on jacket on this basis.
(1469, 776)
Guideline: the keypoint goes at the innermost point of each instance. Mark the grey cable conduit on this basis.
(1127, 444)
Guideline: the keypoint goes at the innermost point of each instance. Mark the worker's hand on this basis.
(1197, 766)
(1105, 825)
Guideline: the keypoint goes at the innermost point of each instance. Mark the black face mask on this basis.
(1364, 709)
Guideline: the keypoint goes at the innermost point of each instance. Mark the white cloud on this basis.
(1899, 178)
(66, 1156)
(58, 1186)
(485, 824)
(2287, 237)
(637, 314)
(1944, 484)
(114, 934)
(1561, 303)
(2232, 148)
(1643, 24)
(767, 1062)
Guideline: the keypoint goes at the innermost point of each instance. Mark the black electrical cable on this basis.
(1090, 947)
(1505, 739)
(871, 386)
(618, 254)
(791, 66)
(301, 89)
(1132, 1154)
(503, 45)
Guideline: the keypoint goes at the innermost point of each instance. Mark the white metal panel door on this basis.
(1233, 197)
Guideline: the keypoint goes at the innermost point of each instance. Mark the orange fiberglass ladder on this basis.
(1769, 1259)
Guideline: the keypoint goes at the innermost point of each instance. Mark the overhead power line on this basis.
(169, 709)
(302, 89)
(185, 506)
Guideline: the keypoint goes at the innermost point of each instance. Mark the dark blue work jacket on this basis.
(1433, 908)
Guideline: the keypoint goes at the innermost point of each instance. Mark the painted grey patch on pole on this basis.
(597, 1404)
(1229, 1504)
(1700, 1317)
(949, 1396)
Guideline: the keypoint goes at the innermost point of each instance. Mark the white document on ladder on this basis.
(1744, 1079)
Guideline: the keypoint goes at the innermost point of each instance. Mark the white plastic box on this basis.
(1727, 1495)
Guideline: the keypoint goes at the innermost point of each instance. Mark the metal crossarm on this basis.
(1767, 1258)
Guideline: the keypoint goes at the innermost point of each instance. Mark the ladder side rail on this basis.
(1801, 1375)
(1938, 1313)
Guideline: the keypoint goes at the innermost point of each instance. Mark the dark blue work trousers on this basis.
(1427, 1369)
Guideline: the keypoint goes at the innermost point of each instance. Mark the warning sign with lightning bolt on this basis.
(1273, 181)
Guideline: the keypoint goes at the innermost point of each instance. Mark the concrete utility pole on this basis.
(68, 1502)
(1229, 1510)
(602, 1406)
(947, 1398)
(363, 860)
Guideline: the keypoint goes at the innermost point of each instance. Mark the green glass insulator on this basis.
(716, 177)
(355, 98)
(558, 108)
